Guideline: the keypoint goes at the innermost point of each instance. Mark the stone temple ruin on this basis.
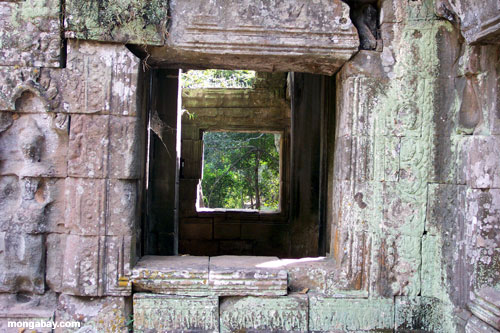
(389, 115)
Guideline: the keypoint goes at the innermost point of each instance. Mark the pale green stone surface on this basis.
(263, 314)
(166, 313)
(330, 314)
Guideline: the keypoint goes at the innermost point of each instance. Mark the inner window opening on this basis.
(241, 170)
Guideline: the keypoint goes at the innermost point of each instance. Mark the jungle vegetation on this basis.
(241, 170)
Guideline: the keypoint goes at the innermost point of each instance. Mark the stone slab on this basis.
(395, 265)
(352, 250)
(312, 274)
(479, 20)
(299, 35)
(404, 207)
(214, 100)
(245, 275)
(264, 314)
(11, 79)
(173, 275)
(165, 313)
(322, 275)
(89, 265)
(337, 314)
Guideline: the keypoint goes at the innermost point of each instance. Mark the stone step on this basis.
(173, 275)
(203, 276)
(246, 275)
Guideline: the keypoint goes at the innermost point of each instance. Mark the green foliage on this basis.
(217, 78)
(241, 170)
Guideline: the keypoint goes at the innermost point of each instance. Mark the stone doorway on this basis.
(299, 106)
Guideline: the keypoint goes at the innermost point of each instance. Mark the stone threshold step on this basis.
(205, 276)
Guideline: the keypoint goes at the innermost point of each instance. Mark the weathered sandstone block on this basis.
(337, 314)
(419, 313)
(96, 314)
(184, 275)
(483, 169)
(446, 238)
(395, 262)
(27, 308)
(89, 265)
(14, 80)
(22, 263)
(264, 314)
(311, 274)
(353, 276)
(475, 325)
(99, 207)
(123, 207)
(479, 20)
(241, 276)
(31, 205)
(100, 78)
(164, 313)
(88, 146)
(482, 236)
(120, 256)
(85, 206)
(404, 208)
(33, 146)
(104, 146)
(40, 43)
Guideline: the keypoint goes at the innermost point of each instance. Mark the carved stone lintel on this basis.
(298, 35)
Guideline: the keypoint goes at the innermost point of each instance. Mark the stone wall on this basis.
(416, 126)
(414, 199)
(70, 177)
